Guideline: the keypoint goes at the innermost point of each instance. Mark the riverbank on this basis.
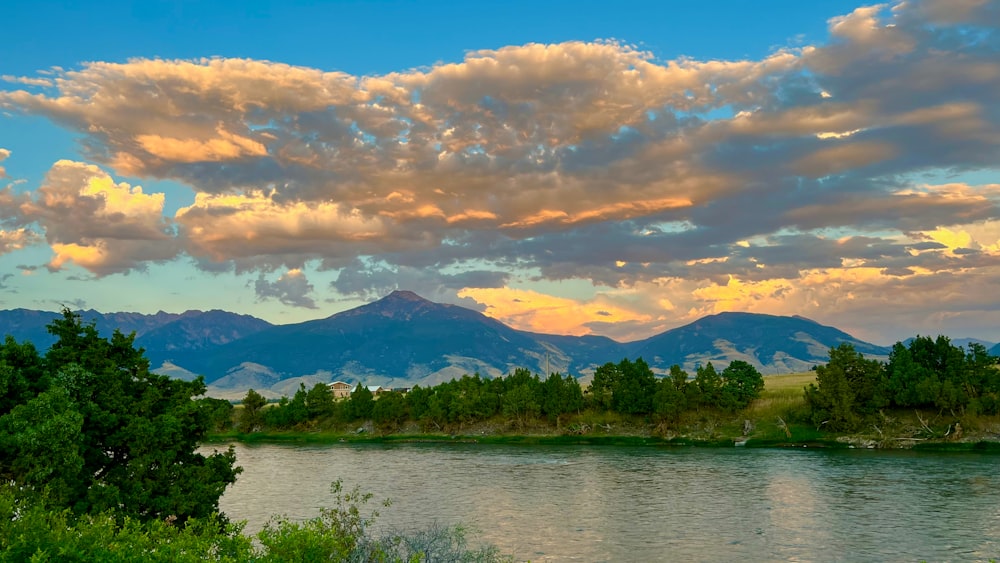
(815, 440)
(844, 441)
(774, 420)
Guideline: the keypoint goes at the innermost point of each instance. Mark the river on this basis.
(578, 503)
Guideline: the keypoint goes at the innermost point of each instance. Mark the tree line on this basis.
(926, 373)
(520, 398)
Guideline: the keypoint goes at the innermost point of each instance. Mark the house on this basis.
(376, 390)
(340, 390)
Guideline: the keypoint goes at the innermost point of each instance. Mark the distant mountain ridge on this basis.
(164, 336)
(404, 339)
(773, 343)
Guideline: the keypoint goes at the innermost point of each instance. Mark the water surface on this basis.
(579, 503)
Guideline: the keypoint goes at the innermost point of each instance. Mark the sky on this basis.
(603, 168)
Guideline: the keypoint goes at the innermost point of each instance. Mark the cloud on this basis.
(28, 81)
(737, 183)
(291, 288)
(538, 312)
(88, 219)
(371, 280)
(17, 239)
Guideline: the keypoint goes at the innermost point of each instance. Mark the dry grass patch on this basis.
(785, 385)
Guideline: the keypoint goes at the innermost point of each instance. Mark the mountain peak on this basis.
(404, 295)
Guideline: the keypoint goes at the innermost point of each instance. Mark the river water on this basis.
(578, 503)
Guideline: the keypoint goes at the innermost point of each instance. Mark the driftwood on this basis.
(784, 426)
(924, 424)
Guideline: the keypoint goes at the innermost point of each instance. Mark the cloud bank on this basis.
(825, 179)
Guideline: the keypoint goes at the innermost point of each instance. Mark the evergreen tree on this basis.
(709, 385)
(251, 417)
(92, 429)
(361, 403)
(741, 384)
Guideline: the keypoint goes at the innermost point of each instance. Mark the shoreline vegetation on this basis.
(776, 418)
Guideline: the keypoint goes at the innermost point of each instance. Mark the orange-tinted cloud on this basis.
(534, 311)
(96, 223)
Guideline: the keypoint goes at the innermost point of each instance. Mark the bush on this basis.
(31, 532)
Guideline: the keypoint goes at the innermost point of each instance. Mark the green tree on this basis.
(361, 403)
(708, 382)
(219, 412)
(319, 401)
(635, 389)
(935, 373)
(741, 384)
(523, 396)
(251, 418)
(288, 413)
(560, 396)
(983, 380)
(418, 401)
(41, 441)
(602, 386)
(390, 409)
(521, 404)
(670, 400)
(21, 374)
(113, 436)
(626, 387)
(847, 389)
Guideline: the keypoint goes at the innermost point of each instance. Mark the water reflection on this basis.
(650, 504)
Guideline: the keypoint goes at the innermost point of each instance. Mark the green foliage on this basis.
(91, 429)
(927, 373)
(30, 531)
(219, 413)
(626, 387)
(288, 413)
(708, 384)
(601, 391)
(44, 434)
(670, 400)
(847, 389)
(935, 373)
(21, 374)
(741, 383)
(418, 402)
(389, 410)
(251, 418)
(336, 535)
(361, 403)
(561, 396)
(319, 401)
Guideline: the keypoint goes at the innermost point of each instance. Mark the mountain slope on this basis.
(196, 330)
(401, 337)
(771, 343)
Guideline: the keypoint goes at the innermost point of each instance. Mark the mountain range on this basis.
(403, 339)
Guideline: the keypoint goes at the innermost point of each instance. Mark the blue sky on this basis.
(573, 167)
